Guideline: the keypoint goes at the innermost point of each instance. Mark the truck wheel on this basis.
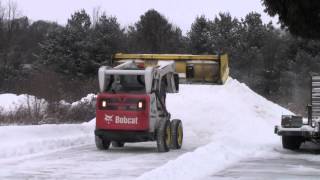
(101, 143)
(117, 144)
(164, 136)
(176, 133)
(291, 142)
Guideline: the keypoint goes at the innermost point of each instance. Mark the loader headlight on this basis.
(104, 103)
(140, 105)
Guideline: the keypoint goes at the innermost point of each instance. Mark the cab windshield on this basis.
(128, 83)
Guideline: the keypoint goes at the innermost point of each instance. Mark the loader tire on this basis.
(176, 134)
(101, 143)
(163, 136)
(117, 144)
(291, 142)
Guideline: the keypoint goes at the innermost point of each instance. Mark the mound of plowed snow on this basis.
(234, 121)
(224, 123)
(11, 102)
(25, 140)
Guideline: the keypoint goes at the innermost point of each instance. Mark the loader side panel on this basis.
(126, 112)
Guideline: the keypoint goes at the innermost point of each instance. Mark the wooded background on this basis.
(58, 62)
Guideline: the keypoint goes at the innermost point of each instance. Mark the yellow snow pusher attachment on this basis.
(191, 68)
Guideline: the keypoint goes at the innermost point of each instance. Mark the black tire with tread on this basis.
(162, 135)
(175, 125)
(117, 144)
(102, 144)
(291, 142)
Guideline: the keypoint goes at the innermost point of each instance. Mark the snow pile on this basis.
(232, 120)
(26, 140)
(90, 98)
(86, 100)
(11, 102)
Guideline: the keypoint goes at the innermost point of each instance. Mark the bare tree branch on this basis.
(96, 13)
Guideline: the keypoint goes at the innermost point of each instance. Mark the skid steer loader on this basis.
(294, 130)
(131, 106)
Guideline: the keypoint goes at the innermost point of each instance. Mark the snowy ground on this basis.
(278, 164)
(224, 126)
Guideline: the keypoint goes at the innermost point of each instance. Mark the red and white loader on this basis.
(131, 106)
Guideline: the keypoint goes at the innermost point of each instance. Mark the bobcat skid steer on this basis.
(131, 106)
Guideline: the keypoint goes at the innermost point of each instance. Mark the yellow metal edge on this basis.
(225, 76)
(224, 68)
(120, 56)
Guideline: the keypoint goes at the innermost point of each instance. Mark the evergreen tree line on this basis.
(60, 62)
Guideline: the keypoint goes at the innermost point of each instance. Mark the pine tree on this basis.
(199, 36)
(154, 34)
(67, 49)
(301, 17)
(108, 38)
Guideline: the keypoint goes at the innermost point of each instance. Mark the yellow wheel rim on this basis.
(168, 135)
(180, 135)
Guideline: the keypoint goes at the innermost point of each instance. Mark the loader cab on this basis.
(126, 84)
(136, 83)
(122, 83)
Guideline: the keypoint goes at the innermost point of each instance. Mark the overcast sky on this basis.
(180, 12)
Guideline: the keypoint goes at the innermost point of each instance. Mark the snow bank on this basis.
(233, 121)
(11, 102)
(26, 140)
(87, 100)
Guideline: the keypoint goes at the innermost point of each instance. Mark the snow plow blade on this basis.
(191, 68)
